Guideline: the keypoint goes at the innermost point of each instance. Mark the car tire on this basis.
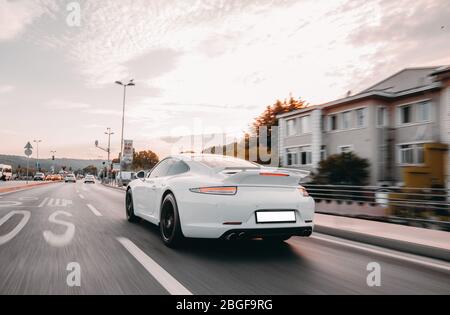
(169, 224)
(276, 239)
(129, 208)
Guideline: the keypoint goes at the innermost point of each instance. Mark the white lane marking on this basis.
(43, 202)
(50, 202)
(4, 204)
(60, 240)
(386, 254)
(94, 211)
(163, 277)
(26, 216)
(82, 197)
(28, 198)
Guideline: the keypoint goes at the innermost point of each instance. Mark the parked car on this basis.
(38, 177)
(5, 172)
(124, 178)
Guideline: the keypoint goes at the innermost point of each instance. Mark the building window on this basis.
(333, 123)
(382, 117)
(347, 120)
(345, 149)
(292, 157)
(411, 154)
(306, 124)
(360, 117)
(290, 127)
(406, 114)
(323, 153)
(300, 156)
(423, 112)
(305, 156)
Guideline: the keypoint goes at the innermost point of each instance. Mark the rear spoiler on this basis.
(276, 170)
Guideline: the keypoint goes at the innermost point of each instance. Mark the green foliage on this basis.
(343, 169)
(145, 160)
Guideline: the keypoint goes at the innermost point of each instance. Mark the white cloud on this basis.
(66, 105)
(6, 89)
(15, 16)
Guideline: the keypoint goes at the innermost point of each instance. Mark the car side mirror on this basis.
(141, 175)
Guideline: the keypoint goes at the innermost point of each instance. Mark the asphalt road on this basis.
(117, 257)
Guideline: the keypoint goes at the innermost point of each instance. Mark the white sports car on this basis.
(218, 197)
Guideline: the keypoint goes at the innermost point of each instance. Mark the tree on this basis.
(91, 169)
(268, 119)
(145, 160)
(343, 169)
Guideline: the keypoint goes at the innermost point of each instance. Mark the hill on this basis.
(46, 164)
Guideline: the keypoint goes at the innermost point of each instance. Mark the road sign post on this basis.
(28, 152)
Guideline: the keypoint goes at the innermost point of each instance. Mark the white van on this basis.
(5, 172)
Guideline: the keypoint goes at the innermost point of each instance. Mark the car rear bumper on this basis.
(213, 217)
(233, 234)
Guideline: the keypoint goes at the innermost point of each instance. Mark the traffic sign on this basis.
(28, 149)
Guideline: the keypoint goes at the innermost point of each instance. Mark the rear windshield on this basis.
(221, 162)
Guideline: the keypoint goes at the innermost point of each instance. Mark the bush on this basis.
(343, 169)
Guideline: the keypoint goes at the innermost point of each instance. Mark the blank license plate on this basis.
(275, 217)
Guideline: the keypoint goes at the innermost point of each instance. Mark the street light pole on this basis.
(37, 152)
(131, 83)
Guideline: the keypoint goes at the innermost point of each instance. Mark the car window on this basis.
(161, 169)
(223, 162)
(178, 167)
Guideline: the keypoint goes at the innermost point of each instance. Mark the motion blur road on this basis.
(117, 257)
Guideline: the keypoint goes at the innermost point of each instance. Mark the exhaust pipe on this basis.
(242, 235)
(231, 237)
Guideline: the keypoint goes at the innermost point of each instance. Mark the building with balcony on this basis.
(391, 124)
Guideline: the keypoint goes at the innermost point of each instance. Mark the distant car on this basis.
(70, 178)
(124, 178)
(210, 196)
(57, 178)
(39, 177)
(49, 178)
(5, 172)
(89, 179)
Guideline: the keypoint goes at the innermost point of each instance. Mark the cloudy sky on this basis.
(200, 66)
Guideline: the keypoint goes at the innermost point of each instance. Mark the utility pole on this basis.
(38, 166)
(109, 133)
(53, 159)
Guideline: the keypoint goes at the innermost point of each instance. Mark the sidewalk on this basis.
(21, 186)
(425, 242)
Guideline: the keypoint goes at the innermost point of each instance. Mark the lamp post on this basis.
(131, 83)
(37, 153)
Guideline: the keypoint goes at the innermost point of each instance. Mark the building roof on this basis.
(406, 79)
(403, 83)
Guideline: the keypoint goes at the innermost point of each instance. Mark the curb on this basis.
(23, 187)
(402, 246)
(113, 187)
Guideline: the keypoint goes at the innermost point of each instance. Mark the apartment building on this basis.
(389, 124)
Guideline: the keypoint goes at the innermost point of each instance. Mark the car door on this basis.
(151, 186)
(157, 185)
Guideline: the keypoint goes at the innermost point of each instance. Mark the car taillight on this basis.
(303, 191)
(215, 190)
(274, 174)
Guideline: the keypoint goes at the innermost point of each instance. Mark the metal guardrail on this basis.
(411, 204)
